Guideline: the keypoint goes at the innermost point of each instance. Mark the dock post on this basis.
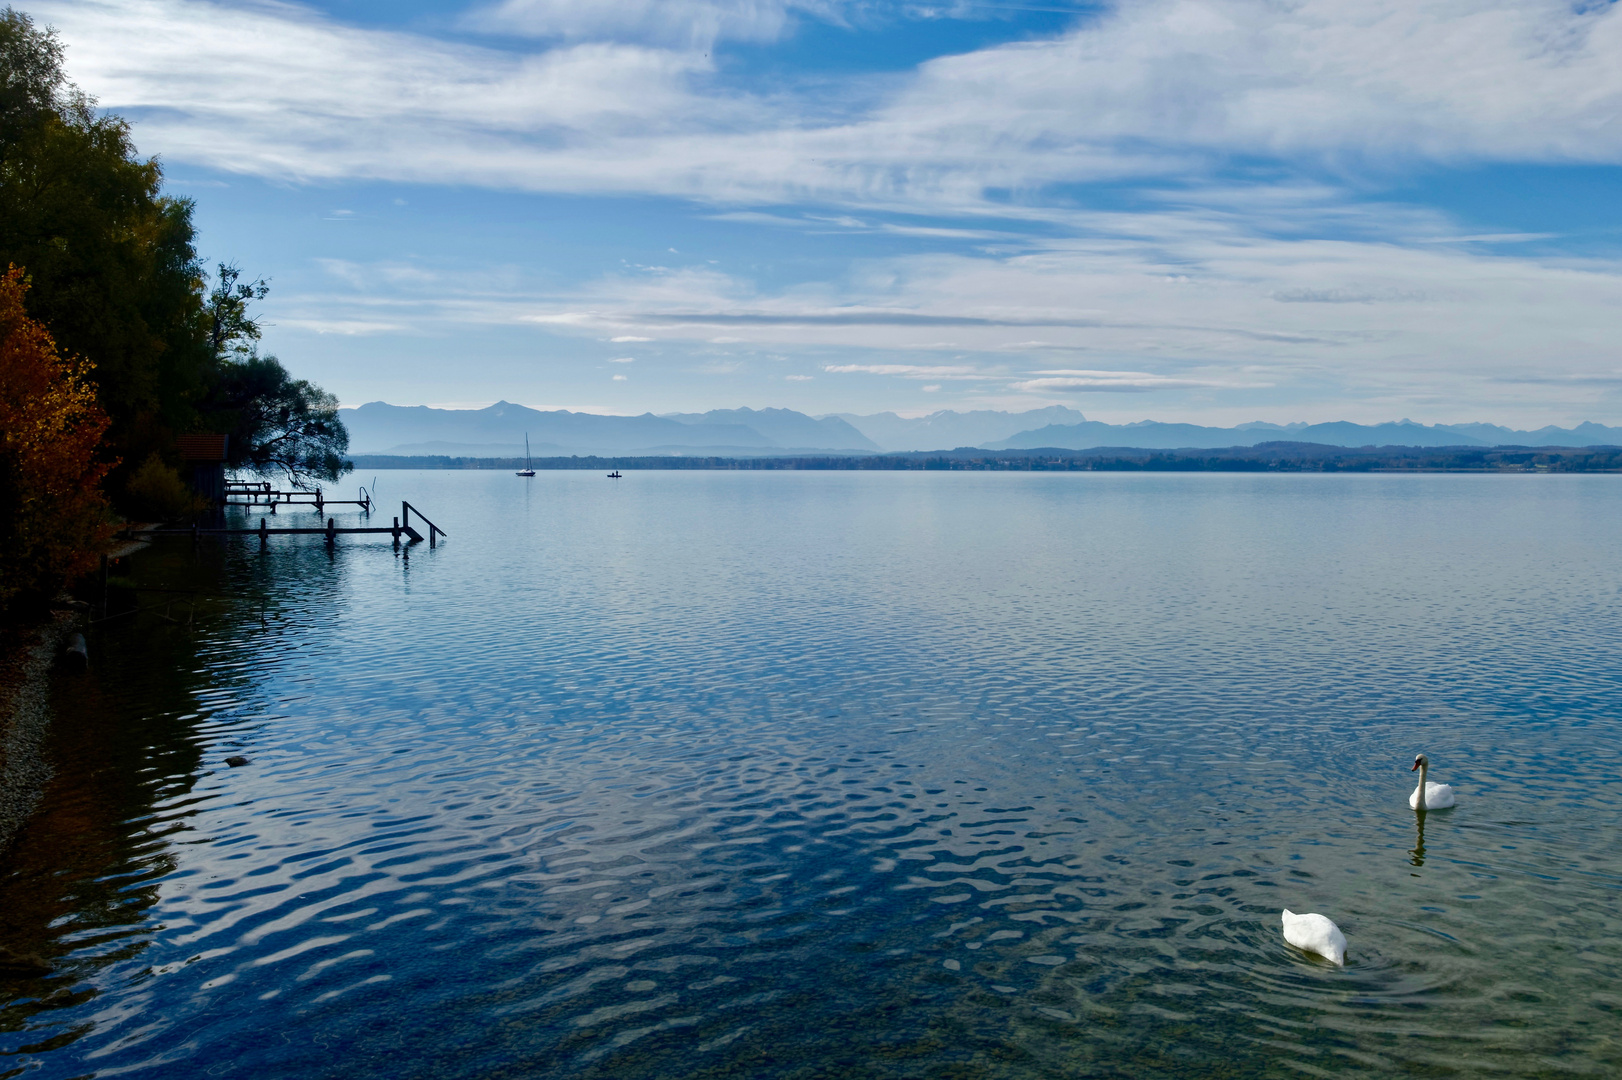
(332, 532)
(433, 532)
(318, 501)
(264, 534)
(397, 534)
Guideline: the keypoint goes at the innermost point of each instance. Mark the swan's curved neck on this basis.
(1423, 769)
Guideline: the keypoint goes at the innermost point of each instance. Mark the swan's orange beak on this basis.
(1415, 768)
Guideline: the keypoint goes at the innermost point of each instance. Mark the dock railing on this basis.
(405, 520)
(331, 530)
(255, 494)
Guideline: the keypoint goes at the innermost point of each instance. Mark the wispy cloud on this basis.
(1110, 381)
(1213, 282)
(1152, 89)
(1170, 302)
(911, 371)
(689, 23)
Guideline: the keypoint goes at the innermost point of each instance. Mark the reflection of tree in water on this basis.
(77, 884)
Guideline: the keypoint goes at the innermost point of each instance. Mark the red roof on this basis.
(201, 447)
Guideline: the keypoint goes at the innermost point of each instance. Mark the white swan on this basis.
(1315, 934)
(1437, 796)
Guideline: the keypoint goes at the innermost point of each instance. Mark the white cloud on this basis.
(348, 327)
(911, 371)
(690, 23)
(1197, 295)
(623, 360)
(1184, 304)
(1151, 89)
(1106, 381)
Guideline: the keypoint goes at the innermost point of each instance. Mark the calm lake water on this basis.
(738, 774)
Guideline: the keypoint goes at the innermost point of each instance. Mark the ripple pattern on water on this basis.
(714, 774)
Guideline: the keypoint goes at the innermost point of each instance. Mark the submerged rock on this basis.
(26, 965)
(76, 656)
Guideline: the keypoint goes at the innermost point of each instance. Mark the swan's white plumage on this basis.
(1315, 933)
(1437, 796)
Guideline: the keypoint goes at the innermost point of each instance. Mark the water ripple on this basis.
(738, 774)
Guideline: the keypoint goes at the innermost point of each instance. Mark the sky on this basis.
(1212, 211)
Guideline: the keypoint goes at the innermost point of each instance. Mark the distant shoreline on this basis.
(1266, 457)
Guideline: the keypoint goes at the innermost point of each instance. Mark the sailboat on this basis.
(528, 469)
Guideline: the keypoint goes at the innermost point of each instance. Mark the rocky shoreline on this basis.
(31, 653)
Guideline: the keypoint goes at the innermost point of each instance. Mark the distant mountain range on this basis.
(1153, 435)
(499, 431)
(947, 429)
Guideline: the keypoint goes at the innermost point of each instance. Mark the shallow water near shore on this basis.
(740, 774)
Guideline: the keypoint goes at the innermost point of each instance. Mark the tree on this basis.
(114, 273)
(279, 424)
(276, 423)
(117, 279)
(34, 84)
(55, 521)
(232, 334)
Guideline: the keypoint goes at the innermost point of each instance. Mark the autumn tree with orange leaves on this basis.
(54, 521)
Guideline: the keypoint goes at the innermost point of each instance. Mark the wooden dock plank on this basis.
(255, 532)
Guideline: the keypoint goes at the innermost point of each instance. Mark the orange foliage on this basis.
(54, 522)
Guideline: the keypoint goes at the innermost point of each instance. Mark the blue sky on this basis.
(1202, 210)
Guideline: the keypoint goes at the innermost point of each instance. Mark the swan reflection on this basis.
(1418, 850)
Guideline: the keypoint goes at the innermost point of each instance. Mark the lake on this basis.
(814, 774)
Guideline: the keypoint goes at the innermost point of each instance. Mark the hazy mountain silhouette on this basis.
(785, 427)
(378, 427)
(498, 431)
(1153, 435)
(946, 429)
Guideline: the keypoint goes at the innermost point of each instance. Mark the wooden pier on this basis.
(401, 527)
(261, 493)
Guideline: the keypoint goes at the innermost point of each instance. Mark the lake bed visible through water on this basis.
(806, 774)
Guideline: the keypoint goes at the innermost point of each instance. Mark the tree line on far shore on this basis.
(114, 338)
(1264, 457)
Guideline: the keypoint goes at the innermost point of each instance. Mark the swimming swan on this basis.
(1315, 934)
(1437, 796)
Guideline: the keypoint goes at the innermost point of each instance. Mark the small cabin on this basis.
(202, 459)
